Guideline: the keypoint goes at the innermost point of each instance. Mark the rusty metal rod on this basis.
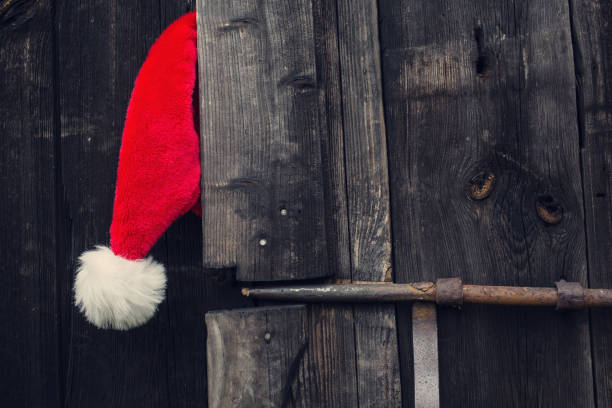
(398, 292)
(567, 295)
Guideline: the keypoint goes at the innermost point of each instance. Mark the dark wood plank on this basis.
(592, 34)
(332, 332)
(258, 356)
(367, 186)
(28, 216)
(261, 149)
(101, 46)
(479, 90)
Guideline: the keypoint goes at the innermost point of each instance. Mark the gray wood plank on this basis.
(29, 229)
(477, 91)
(262, 192)
(367, 187)
(592, 35)
(257, 357)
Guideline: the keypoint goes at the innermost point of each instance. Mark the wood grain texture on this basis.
(592, 35)
(332, 333)
(29, 322)
(367, 187)
(258, 357)
(262, 191)
(481, 91)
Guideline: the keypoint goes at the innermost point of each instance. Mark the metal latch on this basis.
(450, 291)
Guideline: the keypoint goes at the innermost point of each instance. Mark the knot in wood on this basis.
(549, 210)
(481, 185)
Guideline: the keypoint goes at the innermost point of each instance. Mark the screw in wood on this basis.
(283, 212)
(263, 242)
(267, 337)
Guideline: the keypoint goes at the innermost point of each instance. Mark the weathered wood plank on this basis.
(257, 357)
(481, 121)
(262, 195)
(367, 187)
(592, 34)
(332, 332)
(31, 366)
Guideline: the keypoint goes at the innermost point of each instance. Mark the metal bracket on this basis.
(449, 291)
(570, 295)
(425, 355)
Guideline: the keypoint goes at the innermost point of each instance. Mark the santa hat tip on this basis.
(115, 292)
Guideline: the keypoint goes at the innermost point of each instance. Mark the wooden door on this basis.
(406, 141)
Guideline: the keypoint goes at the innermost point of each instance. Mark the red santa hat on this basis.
(158, 180)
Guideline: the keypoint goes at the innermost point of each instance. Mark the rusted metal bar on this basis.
(376, 292)
(566, 295)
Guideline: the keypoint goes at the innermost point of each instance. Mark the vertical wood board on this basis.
(592, 34)
(332, 335)
(485, 184)
(367, 196)
(262, 194)
(29, 296)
